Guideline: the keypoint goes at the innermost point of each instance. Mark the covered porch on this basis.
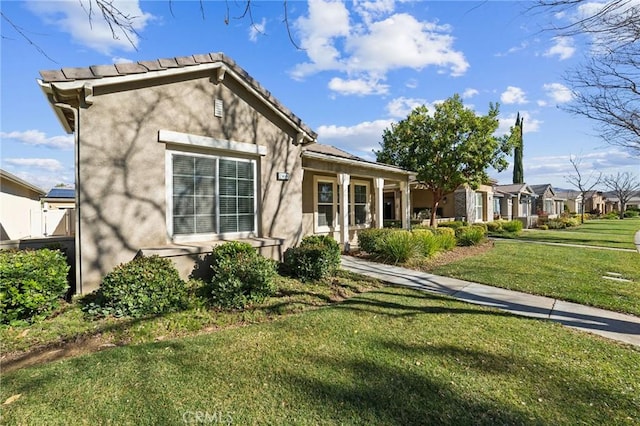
(334, 179)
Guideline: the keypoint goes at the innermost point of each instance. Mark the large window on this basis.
(326, 204)
(211, 195)
(358, 194)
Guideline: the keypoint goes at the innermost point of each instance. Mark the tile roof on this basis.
(98, 72)
(332, 151)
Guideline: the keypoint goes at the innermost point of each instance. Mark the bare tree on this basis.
(584, 186)
(605, 86)
(122, 24)
(624, 186)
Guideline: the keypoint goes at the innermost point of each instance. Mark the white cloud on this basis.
(514, 49)
(357, 87)
(48, 164)
(38, 138)
(72, 16)
(336, 40)
(541, 103)
(469, 93)
(359, 139)
(257, 29)
(513, 95)
(401, 107)
(120, 60)
(412, 83)
(563, 48)
(559, 93)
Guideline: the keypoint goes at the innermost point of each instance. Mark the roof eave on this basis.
(360, 163)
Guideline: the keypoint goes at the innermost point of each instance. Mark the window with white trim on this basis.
(326, 201)
(210, 195)
(479, 206)
(358, 195)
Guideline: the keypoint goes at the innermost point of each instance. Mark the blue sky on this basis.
(363, 65)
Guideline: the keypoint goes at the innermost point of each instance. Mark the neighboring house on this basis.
(517, 201)
(464, 203)
(612, 203)
(572, 200)
(547, 202)
(19, 208)
(176, 155)
(58, 212)
(594, 202)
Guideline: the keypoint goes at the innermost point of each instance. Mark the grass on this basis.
(568, 273)
(391, 356)
(69, 324)
(604, 233)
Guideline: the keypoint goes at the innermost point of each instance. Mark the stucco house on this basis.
(547, 203)
(175, 155)
(594, 202)
(19, 207)
(572, 199)
(517, 201)
(472, 205)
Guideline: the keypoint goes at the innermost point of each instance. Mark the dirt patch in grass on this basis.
(454, 255)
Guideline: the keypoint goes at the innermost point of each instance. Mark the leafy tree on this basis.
(624, 186)
(451, 147)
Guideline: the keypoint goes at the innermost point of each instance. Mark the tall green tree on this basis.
(451, 147)
(518, 163)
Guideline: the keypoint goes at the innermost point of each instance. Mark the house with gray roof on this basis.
(175, 155)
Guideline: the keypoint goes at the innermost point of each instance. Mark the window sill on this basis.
(202, 247)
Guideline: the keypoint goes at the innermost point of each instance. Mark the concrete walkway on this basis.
(624, 328)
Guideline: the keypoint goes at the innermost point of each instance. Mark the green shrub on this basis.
(611, 215)
(543, 227)
(399, 247)
(454, 224)
(446, 240)
(241, 276)
(512, 226)
(469, 235)
(426, 241)
(444, 231)
(31, 283)
(556, 224)
(142, 286)
(369, 240)
(631, 213)
(495, 226)
(317, 257)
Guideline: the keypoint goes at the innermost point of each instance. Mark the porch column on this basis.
(344, 180)
(406, 213)
(378, 184)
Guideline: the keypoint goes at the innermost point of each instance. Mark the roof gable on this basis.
(67, 83)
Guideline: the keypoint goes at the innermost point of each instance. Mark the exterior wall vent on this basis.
(218, 108)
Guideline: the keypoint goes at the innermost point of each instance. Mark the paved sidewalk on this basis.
(624, 328)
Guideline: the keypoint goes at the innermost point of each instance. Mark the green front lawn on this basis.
(390, 356)
(568, 273)
(604, 233)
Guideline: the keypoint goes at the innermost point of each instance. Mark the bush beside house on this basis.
(32, 283)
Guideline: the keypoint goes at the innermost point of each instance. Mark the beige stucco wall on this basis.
(122, 165)
(19, 211)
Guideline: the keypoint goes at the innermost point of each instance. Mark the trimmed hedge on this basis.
(317, 257)
(513, 226)
(241, 276)
(32, 282)
(369, 240)
(140, 287)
